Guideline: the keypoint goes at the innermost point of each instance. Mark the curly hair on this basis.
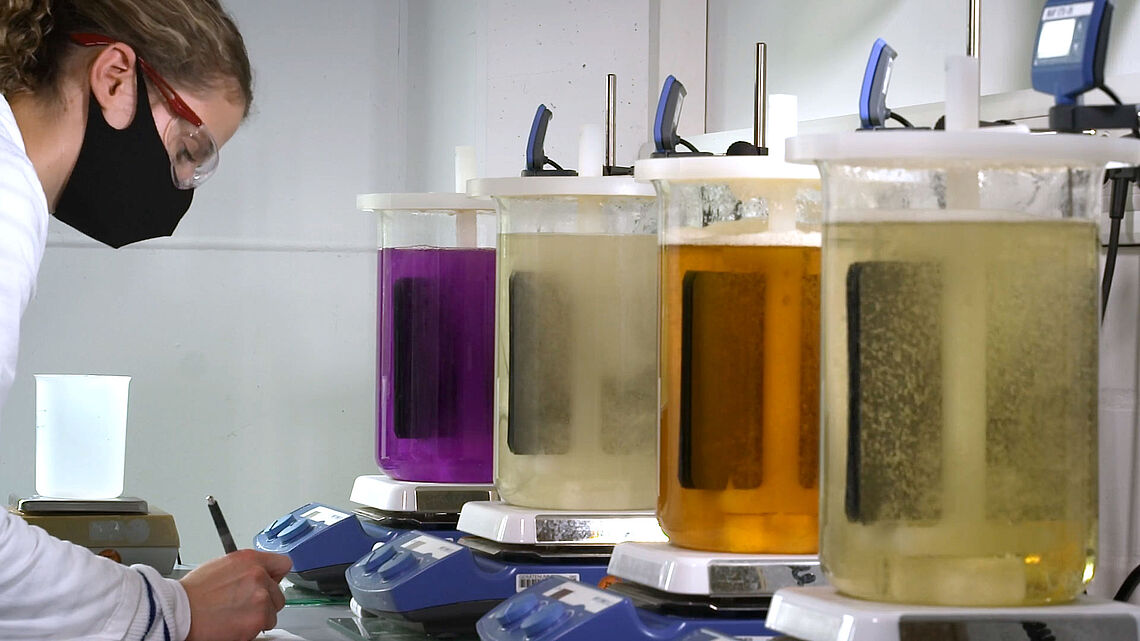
(192, 43)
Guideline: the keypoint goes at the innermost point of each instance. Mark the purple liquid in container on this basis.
(435, 343)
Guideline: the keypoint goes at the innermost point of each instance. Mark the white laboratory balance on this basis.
(1068, 61)
(542, 456)
(435, 291)
(708, 496)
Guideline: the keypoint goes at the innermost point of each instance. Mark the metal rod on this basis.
(760, 100)
(974, 36)
(611, 119)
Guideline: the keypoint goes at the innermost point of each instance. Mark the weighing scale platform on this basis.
(123, 529)
(822, 614)
(388, 494)
(503, 523)
(676, 570)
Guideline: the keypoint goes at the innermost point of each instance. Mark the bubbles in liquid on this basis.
(960, 410)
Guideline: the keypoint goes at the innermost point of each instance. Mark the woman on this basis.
(113, 111)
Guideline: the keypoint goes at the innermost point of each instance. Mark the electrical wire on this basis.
(1116, 99)
(1109, 264)
(1121, 179)
(1129, 585)
(688, 144)
(1037, 631)
(903, 121)
(554, 164)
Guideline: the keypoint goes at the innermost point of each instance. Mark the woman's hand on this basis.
(235, 597)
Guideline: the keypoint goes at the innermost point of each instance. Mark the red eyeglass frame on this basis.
(176, 103)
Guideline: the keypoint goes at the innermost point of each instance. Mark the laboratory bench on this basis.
(337, 623)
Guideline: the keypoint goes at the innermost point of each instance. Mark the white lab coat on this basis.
(51, 589)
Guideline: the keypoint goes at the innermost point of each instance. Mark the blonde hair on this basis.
(191, 43)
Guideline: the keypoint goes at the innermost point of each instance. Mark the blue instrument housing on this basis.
(873, 111)
(445, 585)
(562, 610)
(1070, 47)
(665, 137)
(322, 541)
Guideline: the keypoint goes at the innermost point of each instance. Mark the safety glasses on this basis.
(192, 150)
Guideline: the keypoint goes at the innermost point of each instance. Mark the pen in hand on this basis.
(220, 523)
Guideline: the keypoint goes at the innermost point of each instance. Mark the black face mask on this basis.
(120, 191)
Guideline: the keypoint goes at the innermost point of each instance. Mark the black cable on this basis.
(1112, 94)
(554, 164)
(903, 121)
(688, 144)
(1109, 263)
(1037, 631)
(1129, 585)
(1122, 179)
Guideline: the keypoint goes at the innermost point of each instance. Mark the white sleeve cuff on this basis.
(172, 603)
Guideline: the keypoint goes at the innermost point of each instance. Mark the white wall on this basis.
(558, 53)
(441, 79)
(818, 50)
(249, 334)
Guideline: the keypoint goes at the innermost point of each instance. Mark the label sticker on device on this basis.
(524, 581)
(324, 515)
(437, 548)
(592, 599)
(1075, 10)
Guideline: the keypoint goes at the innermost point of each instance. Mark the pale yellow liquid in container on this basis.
(960, 410)
(576, 371)
(740, 397)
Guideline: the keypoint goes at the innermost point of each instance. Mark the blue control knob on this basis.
(379, 556)
(542, 620)
(275, 527)
(517, 610)
(295, 530)
(397, 565)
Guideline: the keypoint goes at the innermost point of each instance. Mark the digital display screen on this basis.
(1056, 38)
(1061, 38)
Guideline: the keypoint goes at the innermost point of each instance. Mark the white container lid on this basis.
(423, 202)
(909, 147)
(532, 186)
(710, 168)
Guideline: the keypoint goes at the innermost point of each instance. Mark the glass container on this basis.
(960, 363)
(575, 369)
(81, 435)
(739, 353)
(435, 294)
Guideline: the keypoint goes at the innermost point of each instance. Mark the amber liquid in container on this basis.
(740, 395)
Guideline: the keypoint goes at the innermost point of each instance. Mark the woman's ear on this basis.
(113, 81)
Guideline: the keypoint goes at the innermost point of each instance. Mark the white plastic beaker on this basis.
(81, 435)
